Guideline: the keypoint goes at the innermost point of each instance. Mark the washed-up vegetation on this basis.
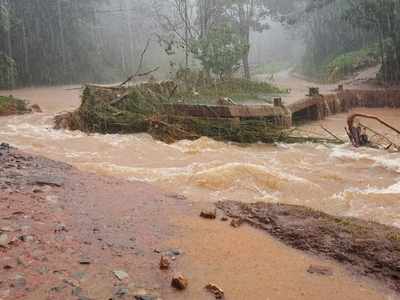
(141, 108)
(147, 107)
(11, 106)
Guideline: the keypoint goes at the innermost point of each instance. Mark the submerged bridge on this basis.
(311, 108)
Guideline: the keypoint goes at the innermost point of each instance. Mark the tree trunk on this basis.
(62, 40)
(245, 17)
(246, 67)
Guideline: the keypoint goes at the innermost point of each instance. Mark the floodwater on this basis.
(339, 180)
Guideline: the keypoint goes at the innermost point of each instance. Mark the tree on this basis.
(383, 18)
(220, 50)
(245, 16)
(354, 24)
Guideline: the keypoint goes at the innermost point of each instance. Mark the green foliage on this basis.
(351, 62)
(10, 105)
(334, 27)
(220, 51)
(337, 67)
(204, 90)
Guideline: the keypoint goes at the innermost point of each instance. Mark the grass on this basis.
(239, 90)
(351, 62)
(338, 67)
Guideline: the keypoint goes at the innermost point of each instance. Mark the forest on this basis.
(50, 42)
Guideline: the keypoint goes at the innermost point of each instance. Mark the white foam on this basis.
(391, 163)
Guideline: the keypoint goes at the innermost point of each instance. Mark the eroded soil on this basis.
(369, 248)
(64, 233)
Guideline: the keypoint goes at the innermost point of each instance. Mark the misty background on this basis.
(49, 42)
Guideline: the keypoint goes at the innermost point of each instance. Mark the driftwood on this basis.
(355, 135)
(332, 134)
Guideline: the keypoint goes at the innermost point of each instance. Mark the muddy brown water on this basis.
(339, 180)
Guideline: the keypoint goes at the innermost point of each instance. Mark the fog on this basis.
(49, 42)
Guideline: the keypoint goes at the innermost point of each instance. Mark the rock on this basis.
(176, 196)
(4, 240)
(58, 289)
(43, 180)
(320, 270)
(78, 275)
(143, 294)
(146, 297)
(22, 261)
(173, 252)
(60, 228)
(121, 275)
(71, 282)
(164, 263)
(52, 199)
(7, 263)
(217, 291)
(35, 108)
(6, 229)
(235, 223)
(120, 292)
(179, 282)
(176, 252)
(224, 219)
(26, 238)
(208, 214)
(85, 261)
(20, 282)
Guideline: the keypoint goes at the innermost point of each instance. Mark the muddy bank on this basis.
(65, 234)
(369, 248)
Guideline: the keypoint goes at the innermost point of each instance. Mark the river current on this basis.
(339, 180)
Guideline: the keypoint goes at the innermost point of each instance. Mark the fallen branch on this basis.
(382, 136)
(354, 133)
(130, 78)
(350, 121)
(331, 134)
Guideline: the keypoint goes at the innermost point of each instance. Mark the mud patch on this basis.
(369, 248)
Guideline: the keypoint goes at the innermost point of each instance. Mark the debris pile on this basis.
(158, 109)
(362, 135)
(13, 106)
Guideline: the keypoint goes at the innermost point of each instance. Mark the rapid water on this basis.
(339, 180)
